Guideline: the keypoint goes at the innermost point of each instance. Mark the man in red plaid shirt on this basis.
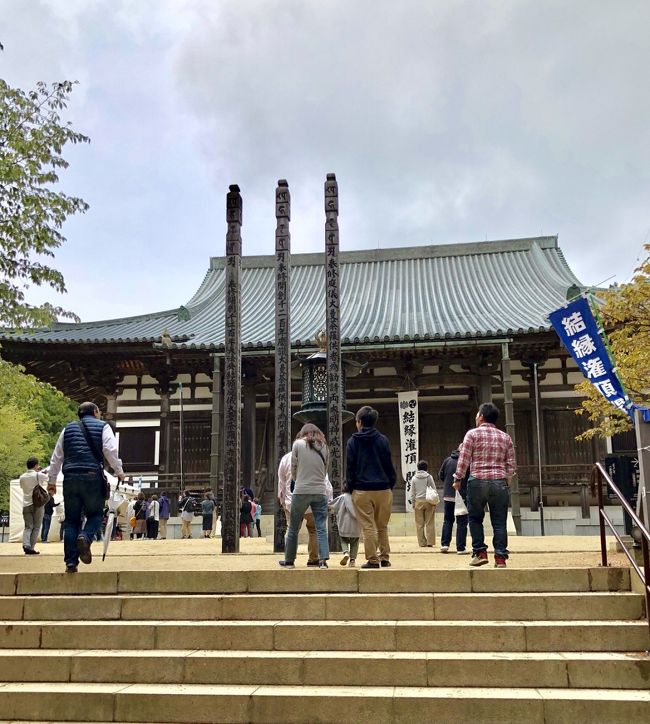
(489, 454)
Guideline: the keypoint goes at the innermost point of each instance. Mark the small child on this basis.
(349, 528)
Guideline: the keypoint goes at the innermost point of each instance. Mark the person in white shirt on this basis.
(32, 516)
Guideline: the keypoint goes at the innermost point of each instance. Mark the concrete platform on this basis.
(199, 554)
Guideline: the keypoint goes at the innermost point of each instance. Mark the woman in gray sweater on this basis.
(309, 459)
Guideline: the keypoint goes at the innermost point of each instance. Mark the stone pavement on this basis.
(257, 554)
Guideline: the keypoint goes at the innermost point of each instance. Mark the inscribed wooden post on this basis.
(510, 429)
(333, 326)
(216, 432)
(232, 376)
(282, 344)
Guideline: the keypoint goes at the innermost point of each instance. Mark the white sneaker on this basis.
(444, 549)
(466, 552)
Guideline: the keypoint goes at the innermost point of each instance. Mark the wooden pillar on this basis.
(485, 385)
(249, 434)
(282, 392)
(510, 429)
(232, 376)
(215, 434)
(111, 408)
(165, 431)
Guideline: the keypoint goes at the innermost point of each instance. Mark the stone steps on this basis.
(333, 607)
(288, 705)
(333, 580)
(544, 645)
(337, 668)
(331, 635)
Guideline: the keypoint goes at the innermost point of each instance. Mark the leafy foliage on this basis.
(32, 415)
(32, 137)
(625, 314)
(19, 439)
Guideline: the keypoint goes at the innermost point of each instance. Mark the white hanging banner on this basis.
(408, 433)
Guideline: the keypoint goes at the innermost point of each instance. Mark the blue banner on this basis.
(577, 328)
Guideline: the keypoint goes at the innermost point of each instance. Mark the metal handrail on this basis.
(600, 472)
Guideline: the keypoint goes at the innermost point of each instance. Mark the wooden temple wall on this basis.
(445, 415)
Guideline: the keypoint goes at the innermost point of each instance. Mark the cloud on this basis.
(445, 122)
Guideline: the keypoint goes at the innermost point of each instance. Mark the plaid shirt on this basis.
(488, 452)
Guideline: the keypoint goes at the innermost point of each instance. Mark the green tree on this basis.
(32, 212)
(19, 439)
(32, 415)
(625, 313)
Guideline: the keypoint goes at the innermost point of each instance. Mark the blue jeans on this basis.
(497, 496)
(299, 504)
(448, 527)
(83, 494)
(45, 528)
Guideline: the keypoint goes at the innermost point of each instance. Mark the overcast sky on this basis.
(444, 122)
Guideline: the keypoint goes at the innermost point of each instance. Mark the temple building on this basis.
(461, 323)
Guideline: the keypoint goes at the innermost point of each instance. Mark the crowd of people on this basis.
(475, 477)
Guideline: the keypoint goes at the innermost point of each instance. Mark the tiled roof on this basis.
(478, 290)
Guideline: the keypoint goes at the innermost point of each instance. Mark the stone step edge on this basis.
(315, 654)
(310, 668)
(467, 580)
(187, 690)
(254, 703)
(248, 623)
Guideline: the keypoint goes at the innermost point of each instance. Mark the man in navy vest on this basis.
(83, 482)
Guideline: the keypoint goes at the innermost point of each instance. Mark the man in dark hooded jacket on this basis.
(370, 477)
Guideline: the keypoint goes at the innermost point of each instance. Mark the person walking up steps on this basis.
(490, 455)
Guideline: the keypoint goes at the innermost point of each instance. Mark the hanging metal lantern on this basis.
(313, 371)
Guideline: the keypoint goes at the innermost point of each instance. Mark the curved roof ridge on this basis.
(399, 253)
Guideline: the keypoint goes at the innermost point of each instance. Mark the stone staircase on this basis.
(344, 645)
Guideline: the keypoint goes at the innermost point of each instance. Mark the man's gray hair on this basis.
(87, 408)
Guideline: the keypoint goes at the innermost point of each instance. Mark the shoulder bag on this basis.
(40, 496)
(432, 494)
(99, 457)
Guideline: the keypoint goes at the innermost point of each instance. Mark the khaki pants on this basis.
(186, 528)
(163, 528)
(312, 541)
(425, 522)
(373, 508)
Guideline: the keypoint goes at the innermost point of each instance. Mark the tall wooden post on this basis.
(232, 376)
(510, 429)
(215, 434)
(282, 347)
(333, 326)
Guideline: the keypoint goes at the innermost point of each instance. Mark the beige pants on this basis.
(425, 522)
(373, 508)
(186, 528)
(312, 541)
(163, 528)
